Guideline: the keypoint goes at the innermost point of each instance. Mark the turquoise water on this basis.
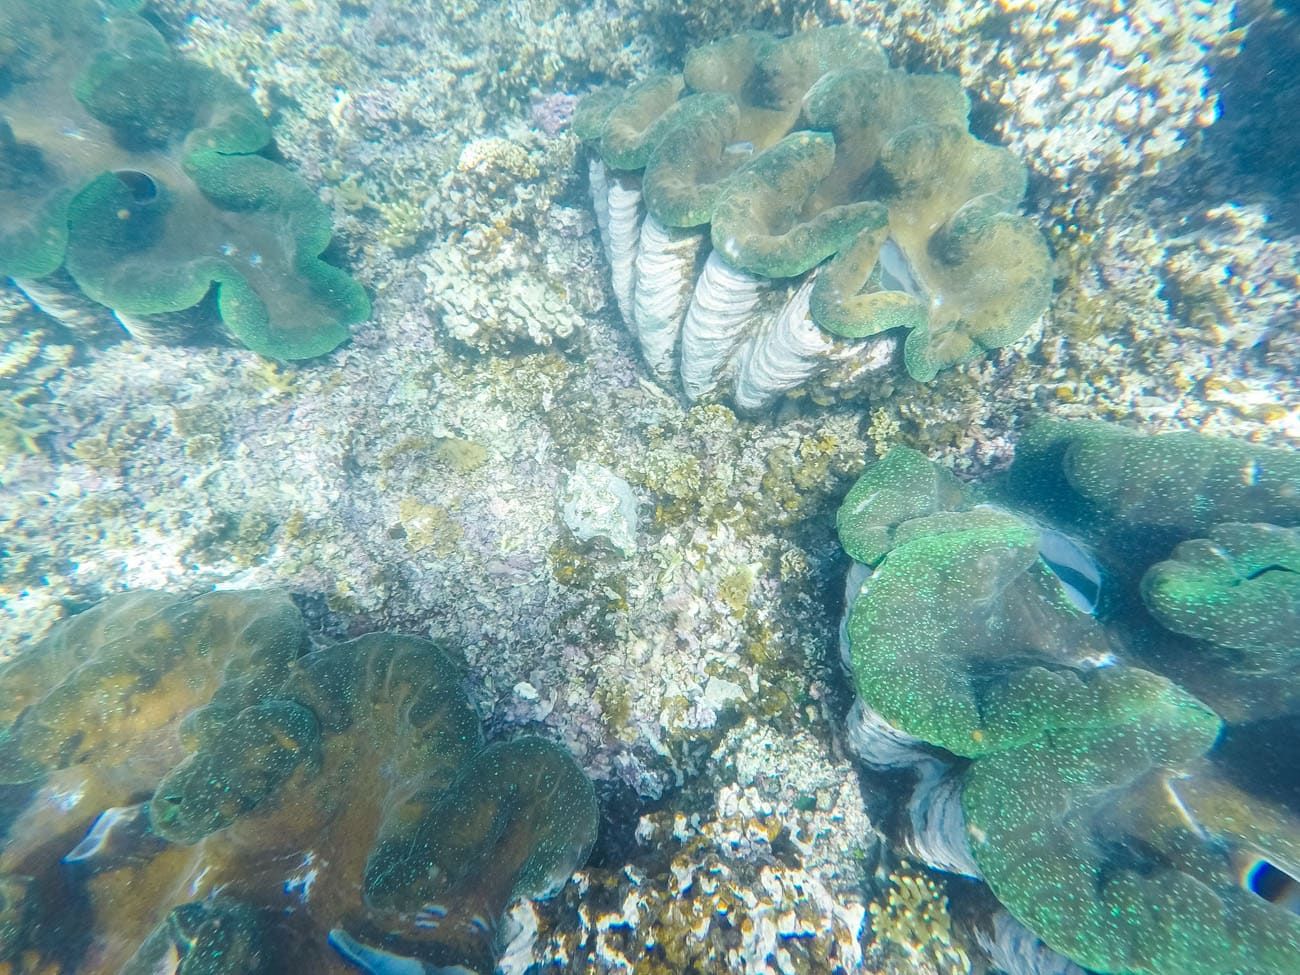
(643, 487)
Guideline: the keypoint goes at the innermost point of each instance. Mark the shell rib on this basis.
(937, 825)
(791, 349)
(785, 352)
(59, 298)
(722, 312)
(623, 234)
(665, 277)
(852, 362)
(880, 744)
(1016, 950)
(938, 822)
(174, 328)
(598, 180)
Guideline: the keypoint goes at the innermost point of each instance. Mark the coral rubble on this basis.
(1087, 92)
(765, 875)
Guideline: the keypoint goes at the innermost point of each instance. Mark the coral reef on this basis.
(295, 798)
(411, 485)
(29, 359)
(136, 171)
(719, 190)
(1102, 748)
(501, 229)
(387, 102)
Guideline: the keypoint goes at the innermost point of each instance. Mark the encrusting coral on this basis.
(187, 783)
(772, 211)
(134, 176)
(1102, 736)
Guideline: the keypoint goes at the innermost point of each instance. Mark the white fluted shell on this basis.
(175, 328)
(855, 580)
(874, 355)
(598, 181)
(880, 744)
(938, 822)
(59, 298)
(790, 349)
(621, 239)
(708, 323)
(723, 309)
(1014, 949)
(666, 263)
(782, 353)
(937, 833)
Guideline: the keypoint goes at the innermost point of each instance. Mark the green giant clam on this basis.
(187, 786)
(783, 210)
(1120, 771)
